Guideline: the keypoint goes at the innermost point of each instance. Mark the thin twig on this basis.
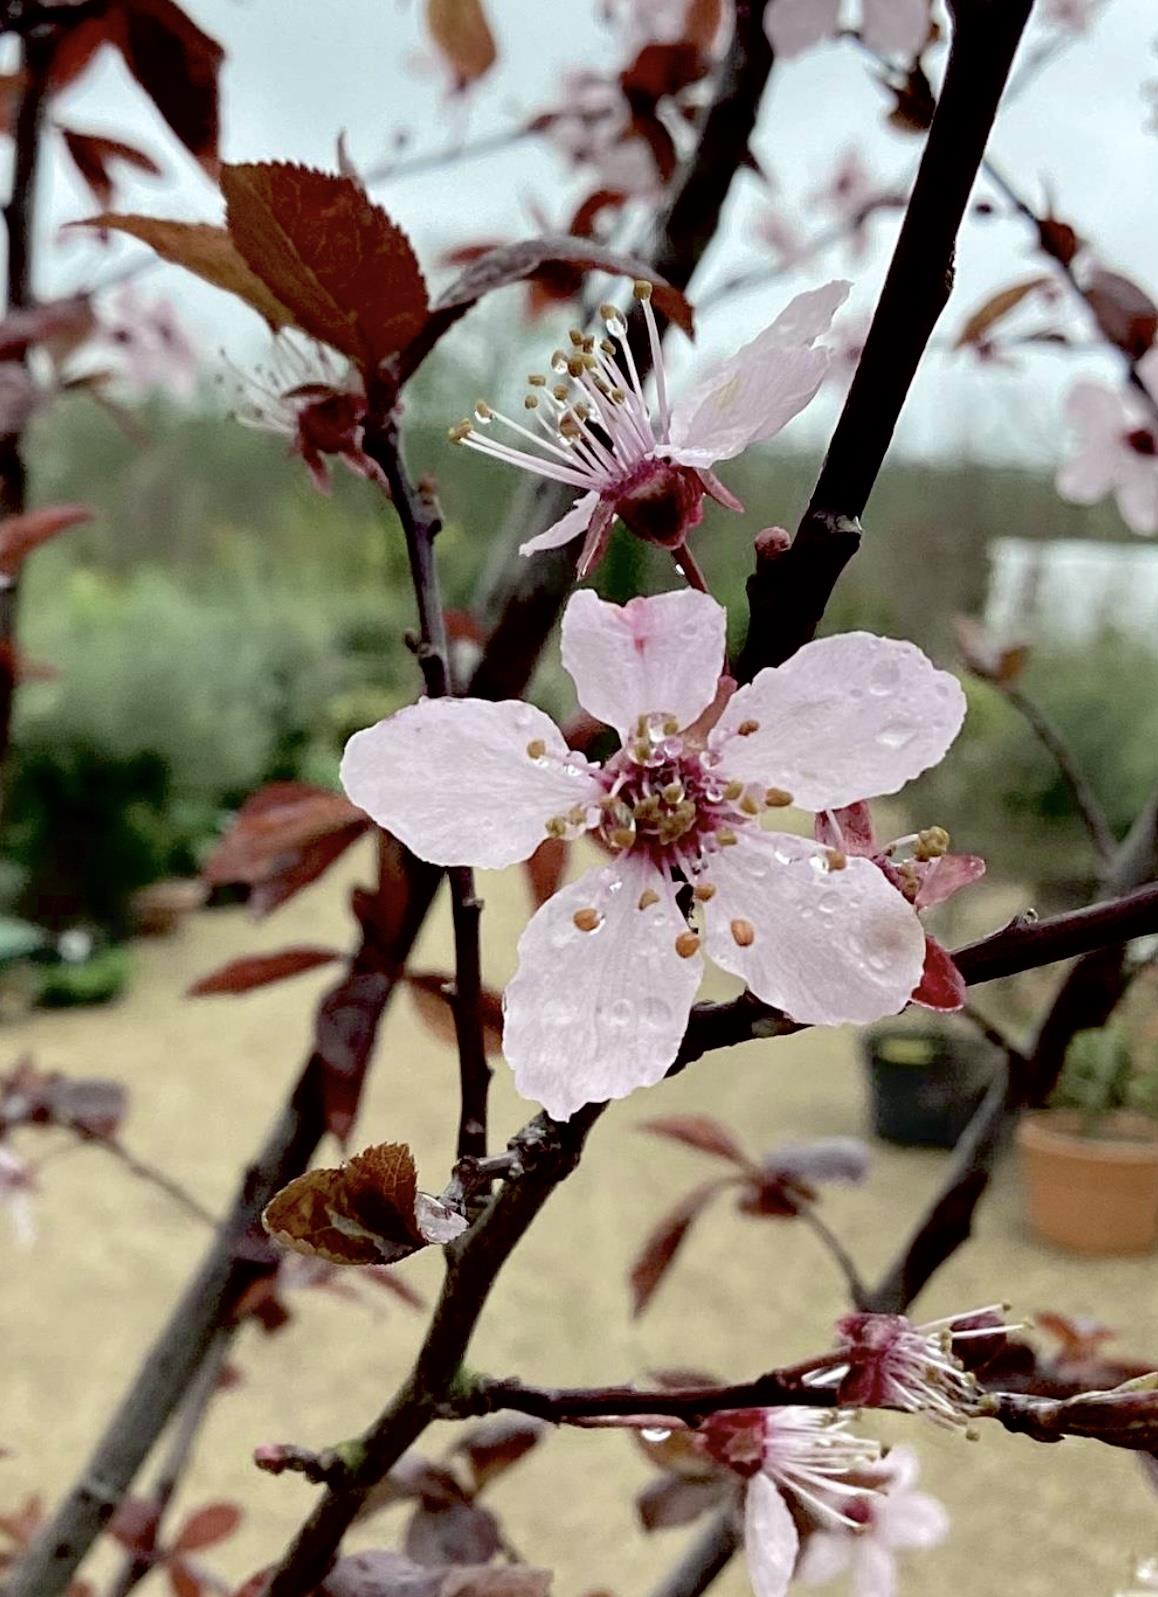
(857, 1290)
(707, 1557)
(157, 1178)
(1088, 804)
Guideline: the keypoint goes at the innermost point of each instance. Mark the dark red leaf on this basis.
(177, 65)
(546, 867)
(496, 1444)
(1125, 313)
(458, 1533)
(208, 252)
(995, 309)
(344, 269)
(660, 70)
(1057, 238)
(20, 535)
(184, 1580)
(344, 1032)
(429, 989)
(283, 838)
(134, 1525)
(700, 1132)
(207, 1526)
(658, 1252)
(93, 154)
(462, 33)
(390, 1281)
(673, 1500)
(942, 986)
(259, 970)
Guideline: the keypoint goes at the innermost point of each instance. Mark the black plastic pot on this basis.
(925, 1082)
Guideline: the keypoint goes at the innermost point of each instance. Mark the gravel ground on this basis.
(205, 1076)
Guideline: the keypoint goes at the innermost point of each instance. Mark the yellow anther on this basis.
(589, 343)
(617, 396)
(607, 346)
(560, 391)
(569, 427)
(590, 364)
(746, 728)
(670, 726)
(530, 401)
(536, 748)
(577, 815)
(586, 919)
(609, 314)
(556, 826)
(648, 897)
(558, 361)
(743, 933)
(750, 805)
(672, 793)
(733, 791)
(459, 431)
(641, 289)
(575, 366)
(837, 860)
(932, 843)
(726, 838)
(482, 410)
(582, 409)
(641, 750)
(703, 891)
(777, 798)
(687, 944)
(576, 336)
(537, 380)
(621, 837)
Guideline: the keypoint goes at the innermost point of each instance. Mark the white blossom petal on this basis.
(454, 780)
(824, 1555)
(657, 655)
(845, 717)
(793, 26)
(592, 1015)
(770, 1538)
(565, 529)
(749, 397)
(826, 946)
(895, 27)
(911, 1519)
(874, 1569)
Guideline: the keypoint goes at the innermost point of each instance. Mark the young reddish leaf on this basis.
(656, 1256)
(996, 307)
(20, 535)
(672, 1500)
(177, 66)
(1125, 313)
(184, 1580)
(208, 252)
(702, 22)
(458, 1533)
(1058, 238)
(347, 273)
(206, 1527)
(661, 70)
(344, 1032)
(515, 263)
(368, 1211)
(942, 986)
(390, 1281)
(93, 154)
(134, 1525)
(701, 1132)
(284, 837)
(494, 1446)
(461, 31)
(259, 970)
(436, 1008)
(546, 867)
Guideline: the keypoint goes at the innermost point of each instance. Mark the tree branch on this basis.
(787, 596)
(1088, 805)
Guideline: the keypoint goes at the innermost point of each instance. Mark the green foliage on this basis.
(1103, 1072)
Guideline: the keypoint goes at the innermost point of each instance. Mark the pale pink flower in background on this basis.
(593, 129)
(892, 1519)
(788, 243)
(609, 967)
(809, 1455)
(152, 351)
(920, 1369)
(16, 1188)
(1075, 15)
(642, 22)
(314, 398)
(596, 431)
(849, 336)
(921, 868)
(850, 196)
(1116, 449)
(891, 27)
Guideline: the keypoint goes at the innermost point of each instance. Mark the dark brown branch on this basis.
(1088, 805)
(1123, 1417)
(787, 596)
(474, 1068)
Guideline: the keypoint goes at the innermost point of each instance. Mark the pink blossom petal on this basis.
(454, 781)
(570, 526)
(770, 1538)
(899, 1470)
(1137, 493)
(659, 655)
(793, 26)
(942, 986)
(849, 828)
(1100, 422)
(824, 1555)
(874, 1569)
(749, 397)
(592, 1015)
(943, 877)
(826, 946)
(911, 1519)
(895, 27)
(844, 717)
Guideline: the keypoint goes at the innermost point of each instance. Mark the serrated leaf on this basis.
(325, 250)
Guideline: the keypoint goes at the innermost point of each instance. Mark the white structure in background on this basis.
(1072, 589)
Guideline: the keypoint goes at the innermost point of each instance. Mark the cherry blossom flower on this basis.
(597, 434)
(893, 1363)
(805, 1455)
(609, 966)
(1116, 449)
(891, 27)
(892, 1519)
(850, 196)
(16, 1187)
(311, 396)
(920, 867)
(152, 351)
(595, 129)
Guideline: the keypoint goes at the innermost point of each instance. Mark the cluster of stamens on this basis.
(925, 846)
(591, 424)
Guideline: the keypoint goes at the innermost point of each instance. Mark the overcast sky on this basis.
(298, 74)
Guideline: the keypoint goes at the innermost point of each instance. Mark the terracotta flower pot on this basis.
(1091, 1194)
(161, 907)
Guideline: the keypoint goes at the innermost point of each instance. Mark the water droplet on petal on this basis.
(896, 735)
(653, 1433)
(656, 1013)
(885, 677)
